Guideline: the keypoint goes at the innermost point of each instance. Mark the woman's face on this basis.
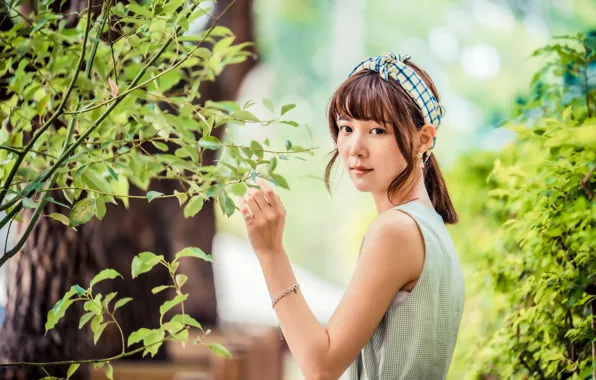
(369, 145)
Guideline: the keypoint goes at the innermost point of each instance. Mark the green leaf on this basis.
(280, 181)
(174, 266)
(121, 302)
(238, 189)
(99, 331)
(219, 350)
(98, 365)
(140, 10)
(31, 186)
(109, 372)
(181, 336)
(96, 181)
(257, 149)
(92, 307)
(151, 342)
(193, 206)
(194, 252)
(50, 199)
(172, 5)
(138, 336)
(288, 145)
(121, 188)
(72, 369)
(106, 274)
(85, 318)
(57, 312)
(232, 168)
(212, 191)
(170, 304)
(209, 142)
(173, 327)
(272, 164)
(80, 291)
(144, 262)
(39, 25)
(28, 203)
(82, 212)
(96, 322)
(159, 145)
(287, 108)
(100, 207)
(289, 122)
(267, 103)
(182, 197)
(153, 194)
(186, 320)
(245, 116)
(181, 279)
(60, 217)
(111, 172)
(106, 302)
(160, 288)
(226, 203)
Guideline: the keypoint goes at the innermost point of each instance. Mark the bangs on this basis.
(364, 96)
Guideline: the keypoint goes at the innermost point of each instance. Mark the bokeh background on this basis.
(478, 52)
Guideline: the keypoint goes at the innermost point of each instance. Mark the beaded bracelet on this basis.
(293, 288)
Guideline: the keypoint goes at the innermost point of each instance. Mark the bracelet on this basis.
(293, 288)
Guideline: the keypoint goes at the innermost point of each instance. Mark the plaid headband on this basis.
(392, 65)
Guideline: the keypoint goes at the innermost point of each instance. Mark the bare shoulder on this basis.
(394, 237)
(396, 225)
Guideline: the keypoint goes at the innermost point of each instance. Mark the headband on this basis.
(391, 65)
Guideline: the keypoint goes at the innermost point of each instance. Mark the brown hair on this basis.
(366, 96)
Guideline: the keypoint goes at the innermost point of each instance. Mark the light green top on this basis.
(416, 337)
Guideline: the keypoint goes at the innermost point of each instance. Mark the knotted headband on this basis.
(391, 65)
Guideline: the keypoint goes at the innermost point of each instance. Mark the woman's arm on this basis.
(392, 256)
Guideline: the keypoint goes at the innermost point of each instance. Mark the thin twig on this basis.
(88, 361)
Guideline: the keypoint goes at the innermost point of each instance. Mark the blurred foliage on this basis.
(529, 248)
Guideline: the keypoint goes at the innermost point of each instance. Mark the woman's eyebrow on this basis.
(344, 117)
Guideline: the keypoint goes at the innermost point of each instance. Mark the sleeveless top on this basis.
(416, 337)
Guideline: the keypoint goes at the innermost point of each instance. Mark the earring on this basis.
(419, 155)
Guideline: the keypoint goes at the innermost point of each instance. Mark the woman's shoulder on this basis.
(396, 230)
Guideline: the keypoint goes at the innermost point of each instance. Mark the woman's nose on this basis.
(357, 147)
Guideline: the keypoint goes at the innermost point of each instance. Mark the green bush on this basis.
(540, 262)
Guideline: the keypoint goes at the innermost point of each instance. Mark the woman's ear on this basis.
(426, 135)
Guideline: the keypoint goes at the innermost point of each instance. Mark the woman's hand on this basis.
(264, 217)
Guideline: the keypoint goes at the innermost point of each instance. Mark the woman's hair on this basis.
(366, 96)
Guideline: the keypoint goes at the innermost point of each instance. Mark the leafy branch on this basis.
(98, 306)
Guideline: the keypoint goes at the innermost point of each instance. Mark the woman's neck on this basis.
(411, 191)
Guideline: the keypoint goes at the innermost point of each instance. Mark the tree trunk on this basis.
(56, 257)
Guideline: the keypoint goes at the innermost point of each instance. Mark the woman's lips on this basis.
(360, 172)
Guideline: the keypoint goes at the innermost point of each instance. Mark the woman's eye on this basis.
(345, 126)
(379, 129)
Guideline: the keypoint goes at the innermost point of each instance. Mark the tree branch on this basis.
(57, 113)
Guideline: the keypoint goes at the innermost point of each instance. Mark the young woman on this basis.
(401, 313)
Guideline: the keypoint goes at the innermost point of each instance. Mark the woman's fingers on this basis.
(263, 203)
(270, 195)
(252, 204)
